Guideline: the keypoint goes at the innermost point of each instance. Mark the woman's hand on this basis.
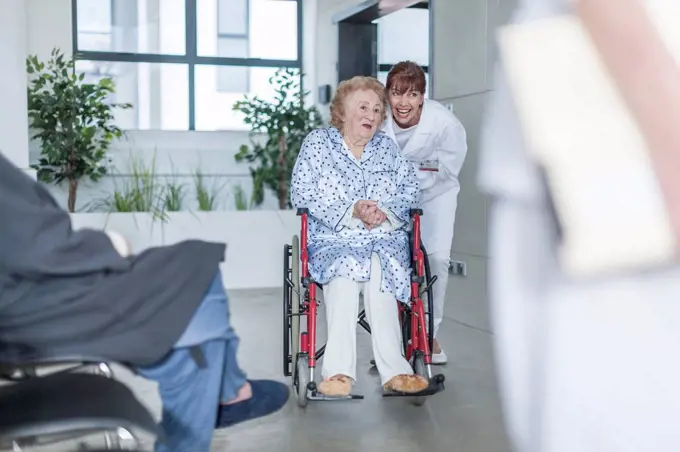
(368, 212)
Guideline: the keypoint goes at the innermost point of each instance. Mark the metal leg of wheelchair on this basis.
(121, 439)
(104, 370)
(111, 440)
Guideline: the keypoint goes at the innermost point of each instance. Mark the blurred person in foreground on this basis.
(68, 293)
(585, 366)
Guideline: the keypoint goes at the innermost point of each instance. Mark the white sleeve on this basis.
(451, 149)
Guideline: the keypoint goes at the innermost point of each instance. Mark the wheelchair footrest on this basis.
(436, 386)
(317, 396)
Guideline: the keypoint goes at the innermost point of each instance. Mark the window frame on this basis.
(191, 57)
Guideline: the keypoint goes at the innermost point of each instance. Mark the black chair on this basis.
(61, 406)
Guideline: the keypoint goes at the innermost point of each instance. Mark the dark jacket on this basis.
(66, 292)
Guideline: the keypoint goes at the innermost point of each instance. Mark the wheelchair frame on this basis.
(300, 352)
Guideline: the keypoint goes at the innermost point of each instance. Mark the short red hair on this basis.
(405, 76)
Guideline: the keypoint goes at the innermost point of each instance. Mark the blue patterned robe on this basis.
(328, 180)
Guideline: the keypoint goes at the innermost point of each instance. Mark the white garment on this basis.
(588, 367)
(440, 141)
(403, 135)
(439, 266)
(341, 298)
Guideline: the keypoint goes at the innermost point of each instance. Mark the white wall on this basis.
(48, 25)
(13, 119)
(464, 53)
(326, 41)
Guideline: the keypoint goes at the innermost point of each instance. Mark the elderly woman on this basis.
(359, 191)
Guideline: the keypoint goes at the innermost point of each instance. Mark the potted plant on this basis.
(284, 122)
(71, 120)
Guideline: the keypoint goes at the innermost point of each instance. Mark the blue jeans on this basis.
(190, 394)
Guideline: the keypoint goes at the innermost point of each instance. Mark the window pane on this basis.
(404, 35)
(232, 47)
(271, 28)
(214, 108)
(232, 17)
(134, 26)
(158, 93)
(94, 16)
(233, 79)
(95, 41)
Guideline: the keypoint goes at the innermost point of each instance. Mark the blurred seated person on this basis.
(68, 293)
(359, 192)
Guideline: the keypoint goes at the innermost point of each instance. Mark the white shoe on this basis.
(439, 358)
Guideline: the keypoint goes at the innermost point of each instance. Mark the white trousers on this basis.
(439, 266)
(341, 297)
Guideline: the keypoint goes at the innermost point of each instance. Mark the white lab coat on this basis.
(439, 138)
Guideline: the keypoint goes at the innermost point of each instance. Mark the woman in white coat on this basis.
(434, 140)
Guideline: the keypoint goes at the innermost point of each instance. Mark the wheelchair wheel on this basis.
(301, 380)
(419, 368)
(295, 299)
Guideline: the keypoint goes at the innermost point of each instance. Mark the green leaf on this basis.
(285, 119)
(70, 119)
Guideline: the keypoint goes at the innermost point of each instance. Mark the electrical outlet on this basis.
(458, 268)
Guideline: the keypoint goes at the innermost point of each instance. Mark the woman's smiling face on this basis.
(405, 106)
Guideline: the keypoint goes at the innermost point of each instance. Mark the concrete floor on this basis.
(464, 418)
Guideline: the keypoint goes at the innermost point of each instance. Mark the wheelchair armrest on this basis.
(414, 212)
(52, 361)
(302, 210)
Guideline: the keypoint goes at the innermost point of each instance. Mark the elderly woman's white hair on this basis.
(347, 87)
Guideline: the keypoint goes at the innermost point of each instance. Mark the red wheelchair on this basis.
(300, 353)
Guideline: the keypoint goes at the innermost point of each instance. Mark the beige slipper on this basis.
(336, 386)
(407, 383)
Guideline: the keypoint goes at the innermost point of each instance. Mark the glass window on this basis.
(132, 26)
(229, 35)
(232, 17)
(214, 108)
(158, 92)
(271, 27)
(232, 79)
(404, 35)
(94, 16)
